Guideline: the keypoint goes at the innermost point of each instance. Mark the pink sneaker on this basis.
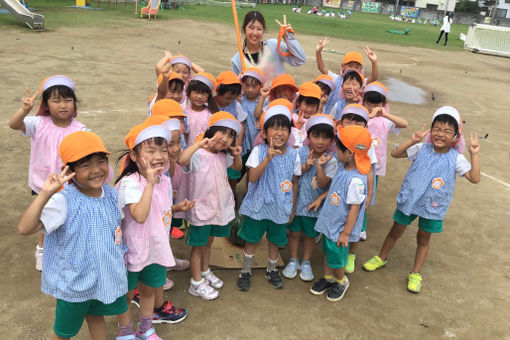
(179, 265)
(169, 284)
(149, 335)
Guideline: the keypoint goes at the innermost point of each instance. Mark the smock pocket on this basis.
(206, 208)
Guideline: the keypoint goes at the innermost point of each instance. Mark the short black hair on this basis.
(444, 118)
(339, 144)
(324, 87)
(57, 90)
(251, 79)
(200, 87)
(353, 75)
(277, 121)
(179, 84)
(353, 117)
(72, 165)
(210, 132)
(235, 89)
(374, 97)
(308, 100)
(324, 130)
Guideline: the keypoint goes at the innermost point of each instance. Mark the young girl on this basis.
(54, 120)
(145, 196)
(200, 104)
(350, 92)
(428, 187)
(207, 161)
(84, 258)
(316, 174)
(270, 201)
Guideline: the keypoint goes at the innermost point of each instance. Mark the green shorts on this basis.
(69, 316)
(336, 257)
(154, 275)
(236, 174)
(252, 231)
(430, 226)
(177, 222)
(304, 223)
(198, 236)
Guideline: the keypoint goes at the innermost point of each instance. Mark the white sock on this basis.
(206, 272)
(197, 283)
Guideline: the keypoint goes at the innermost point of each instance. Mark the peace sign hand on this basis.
(300, 121)
(271, 152)
(27, 103)
(310, 161)
(236, 150)
(418, 135)
(55, 182)
(474, 146)
(321, 44)
(370, 54)
(324, 159)
(151, 173)
(163, 66)
(285, 26)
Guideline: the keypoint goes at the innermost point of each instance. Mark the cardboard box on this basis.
(226, 255)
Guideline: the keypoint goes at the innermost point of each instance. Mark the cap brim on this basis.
(363, 163)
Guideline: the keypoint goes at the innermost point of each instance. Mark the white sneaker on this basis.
(213, 280)
(38, 258)
(363, 236)
(291, 269)
(180, 264)
(203, 290)
(169, 284)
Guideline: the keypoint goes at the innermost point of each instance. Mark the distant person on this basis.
(447, 20)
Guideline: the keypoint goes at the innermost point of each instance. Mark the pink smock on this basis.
(197, 122)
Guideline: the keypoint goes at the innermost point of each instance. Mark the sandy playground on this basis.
(466, 277)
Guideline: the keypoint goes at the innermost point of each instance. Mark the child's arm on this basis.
(185, 155)
(183, 206)
(239, 139)
(31, 220)
(171, 168)
(473, 175)
(323, 180)
(318, 55)
(375, 68)
(400, 150)
(310, 161)
(295, 187)
(27, 103)
(400, 123)
(163, 65)
(315, 205)
(196, 68)
(255, 173)
(343, 239)
(238, 162)
(370, 187)
(140, 210)
(259, 109)
(324, 100)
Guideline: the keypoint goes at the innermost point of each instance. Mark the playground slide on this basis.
(32, 20)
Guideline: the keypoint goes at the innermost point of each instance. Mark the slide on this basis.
(32, 20)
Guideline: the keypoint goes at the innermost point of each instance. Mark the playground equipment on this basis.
(32, 20)
(151, 9)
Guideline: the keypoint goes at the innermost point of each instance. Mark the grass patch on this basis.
(361, 26)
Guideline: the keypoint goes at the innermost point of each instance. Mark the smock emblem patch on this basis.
(437, 182)
(286, 186)
(335, 199)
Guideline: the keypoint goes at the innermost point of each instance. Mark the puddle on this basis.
(400, 91)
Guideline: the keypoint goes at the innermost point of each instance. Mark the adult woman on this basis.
(265, 54)
(447, 20)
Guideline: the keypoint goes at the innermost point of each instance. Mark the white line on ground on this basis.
(495, 179)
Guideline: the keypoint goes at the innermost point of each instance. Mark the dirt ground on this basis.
(466, 277)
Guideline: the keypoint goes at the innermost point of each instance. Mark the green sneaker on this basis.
(414, 282)
(349, 267)
(374, 263)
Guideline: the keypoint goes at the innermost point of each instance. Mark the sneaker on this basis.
(363, 236)
(176, 233)
(136, 298)
(349, 267)
(337, 290)
(291, 269)
(320, 286)
(213, 280)
(126, 337)
(169, 314)
(306, 271)
(244, 281)
(180, 264)
(169, 284)
(274, 279)
(318, 239)
(414, 282)
(38, 258)
(374, 263)
(149, 335)
(203, 290)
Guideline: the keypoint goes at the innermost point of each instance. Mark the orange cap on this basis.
(207, 79)
(156, 120)
(80, 144)
(168, 108)
(283, 79)
(358, 140)
(310, 89)
(227, 78)
(275, 107)
(353, 56)
(144, 131)
(254, 72)
(225, 119)
(173, 76)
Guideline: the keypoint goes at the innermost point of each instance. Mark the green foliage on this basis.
(467, 6)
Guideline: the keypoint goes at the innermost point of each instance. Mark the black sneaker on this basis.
(244, 281)
(337, 290)
(275, 279)
(320, 286)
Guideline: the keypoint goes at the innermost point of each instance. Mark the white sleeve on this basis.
(332, 112)
(392, 128)
(356, 192)
(229, 160)
(371, 154)
(194, 162)
(462, 165)
(253, 159)
(241, 115)
(297, 166)
(31, 124)
(412, 152)
(54, 213)
(330, 168)
(129, 192)
(333, 75)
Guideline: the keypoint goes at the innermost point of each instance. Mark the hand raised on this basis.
(310, 161)
(151, 173)
(271, 152)
(163, 66)
(27, 103)
(370, 54)
(474, 146)
(54, 182)
(236, 150)
(321, 44)
(418, 135)
(264, 92)
(324, 159)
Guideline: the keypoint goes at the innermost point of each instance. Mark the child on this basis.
(350, 92)
(170, 86)
(83, 262)
(307, 105)
(341, 216)
(252, 80)
(380, 125)
(316, 174)
(282, 86)
(207, 161)
(53, 121)
(327, 86)
(270, 201)
(171, 109)
(183, 67)
(352, 61)
(428, 187)
(145, 196)
(200, 104)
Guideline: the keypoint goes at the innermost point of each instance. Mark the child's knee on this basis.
(397, 230)
(423, 238)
